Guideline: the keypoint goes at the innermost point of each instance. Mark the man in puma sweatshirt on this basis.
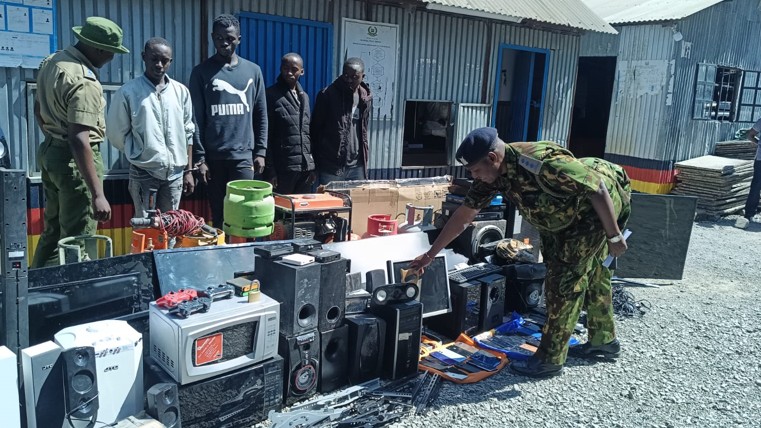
(230, 106)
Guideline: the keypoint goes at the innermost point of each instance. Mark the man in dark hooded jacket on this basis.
(340, 126)
(289, 154)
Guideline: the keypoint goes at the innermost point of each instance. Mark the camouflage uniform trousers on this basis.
(576, 278)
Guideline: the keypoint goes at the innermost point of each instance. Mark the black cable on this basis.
(625, 305)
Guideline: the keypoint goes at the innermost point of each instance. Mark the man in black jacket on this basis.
(340, 126)
(289, 149)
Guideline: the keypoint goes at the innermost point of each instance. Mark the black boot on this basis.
(535, 367)
(611, 349)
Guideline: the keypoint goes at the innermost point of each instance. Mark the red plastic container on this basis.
(381, 225)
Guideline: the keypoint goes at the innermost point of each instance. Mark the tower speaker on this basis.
(524, 286)
(367, 338)
(479, 233)
(492, 302)
(302, 365)
(163, 404)
(80, 383)
(403, 329)
(466, 298)
(297, 288)
(332, 293)
(43, 385)
(334, 358)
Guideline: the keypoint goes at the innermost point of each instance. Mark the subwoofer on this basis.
(163, 404)
(302, 365)
(492, 302)
(80, 383)
(43, 385)
(403, 329)
(524, 286)
(479, 233)
(332, 293)
(334, 358)
(297, 288)
(464, 318)
(367, 338)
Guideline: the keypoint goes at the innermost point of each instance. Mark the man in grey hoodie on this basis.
(151, 121)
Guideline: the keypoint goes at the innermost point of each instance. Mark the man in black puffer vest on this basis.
(289, 155)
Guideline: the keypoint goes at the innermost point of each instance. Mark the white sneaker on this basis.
(742, 223)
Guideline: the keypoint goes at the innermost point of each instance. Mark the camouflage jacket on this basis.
(550, 187)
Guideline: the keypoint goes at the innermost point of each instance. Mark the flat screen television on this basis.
(434, 286)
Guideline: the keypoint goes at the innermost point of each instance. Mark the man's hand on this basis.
(101, 209)
(259, 164)
(312, 177)
(188, 183)
(273, 181)
(420, 263)
(204, 172)
(619, 248)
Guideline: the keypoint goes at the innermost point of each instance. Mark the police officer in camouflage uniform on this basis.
(70, 110)
(579, 207)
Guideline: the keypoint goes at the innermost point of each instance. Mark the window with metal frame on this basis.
(427, 133)
(717, 92)
(749, 109)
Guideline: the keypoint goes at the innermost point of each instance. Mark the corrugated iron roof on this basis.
(633, 11)
(568, 13)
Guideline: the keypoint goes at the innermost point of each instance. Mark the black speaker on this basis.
(302, 365)
(477, 234)
(163, 404)
(332, 294)
(80, 383)
(524, 286)
(367, 338)
(374, 279)
(403, 329)
(334, 359)
(492, 303)
(394, 293)
(466, 298)
(297, 288)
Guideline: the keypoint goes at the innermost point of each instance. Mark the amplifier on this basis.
(403, 329)
(232, 334)
(240, 398)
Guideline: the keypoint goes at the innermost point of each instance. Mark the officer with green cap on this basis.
(70, 110)
(579, 207)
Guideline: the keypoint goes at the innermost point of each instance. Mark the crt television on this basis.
(434, 284)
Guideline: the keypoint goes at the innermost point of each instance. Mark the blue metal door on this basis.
(266, 38)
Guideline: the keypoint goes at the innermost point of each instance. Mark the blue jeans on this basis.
(751, 205)
(344, 174)
(168, 192)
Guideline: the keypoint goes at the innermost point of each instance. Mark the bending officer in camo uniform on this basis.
(579, 207)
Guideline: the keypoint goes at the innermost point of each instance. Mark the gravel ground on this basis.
(693, 360)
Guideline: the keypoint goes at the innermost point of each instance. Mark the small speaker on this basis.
(43, 385)
(302, 365)
(297, 288)
(80, 383)
(375, 278)
(524, 286)
(332, 305)
(367, 338)
(334, 359)
(477, 234)
(492, 302)
(403, 329)
(163, 404)
(466, 298)
(394, 293)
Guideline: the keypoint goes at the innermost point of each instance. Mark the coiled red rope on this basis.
(179, 222)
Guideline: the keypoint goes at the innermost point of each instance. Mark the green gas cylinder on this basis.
(249, 209)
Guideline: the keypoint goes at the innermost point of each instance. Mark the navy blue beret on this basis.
(476, 145)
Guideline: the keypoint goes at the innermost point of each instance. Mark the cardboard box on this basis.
(390, 197)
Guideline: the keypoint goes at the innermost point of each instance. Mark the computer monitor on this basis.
(434, 286)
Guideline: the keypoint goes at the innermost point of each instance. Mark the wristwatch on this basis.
(616, 239)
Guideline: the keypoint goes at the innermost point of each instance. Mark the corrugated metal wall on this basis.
(599, 44)
(725, 34)
(639, 110)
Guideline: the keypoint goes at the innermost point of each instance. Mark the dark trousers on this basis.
(223, 172)
(293, 182)
(751, 205)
